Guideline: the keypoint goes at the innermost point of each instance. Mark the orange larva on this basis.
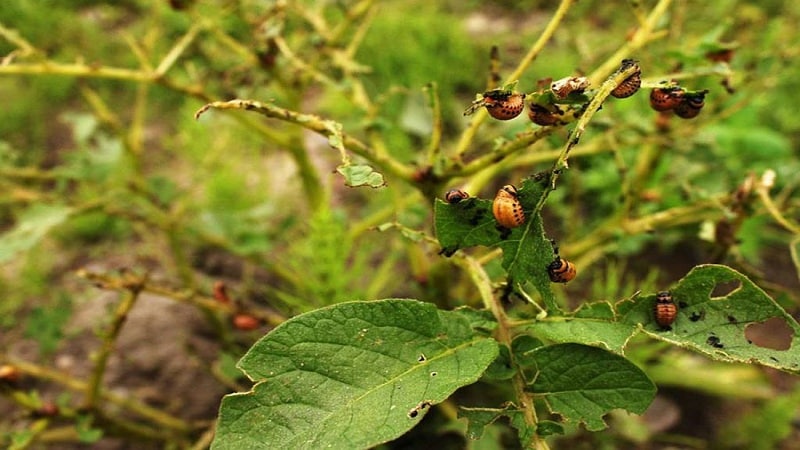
(503, 105)
(246, 322)
(455, 195)
(691, 105)
(542, 116)
(507, 208)
(665, 310)
(630, 85)
(561, 270)
(665, 99)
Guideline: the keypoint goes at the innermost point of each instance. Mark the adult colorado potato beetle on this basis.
(561, 270)
(630, 85)
(455, 195)
(665, 310)
(665, 99)
(507, 208)
(691, 105)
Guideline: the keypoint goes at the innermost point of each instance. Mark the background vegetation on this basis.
(144, 250)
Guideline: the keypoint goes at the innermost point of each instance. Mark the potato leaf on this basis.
(583, 383)
(351, 376)
(716, 306)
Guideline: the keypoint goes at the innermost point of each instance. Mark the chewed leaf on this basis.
(361, 175)
(526, 251)
(353, 375)
(716, 306)
(583, 383)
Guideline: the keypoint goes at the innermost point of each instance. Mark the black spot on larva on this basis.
(683, 304)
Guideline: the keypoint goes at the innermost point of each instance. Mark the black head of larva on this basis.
(630, 85)
(455, 195)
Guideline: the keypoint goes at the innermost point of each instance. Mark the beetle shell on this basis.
(507, 208)
(561, 270)
(665, 310)
(690, 106)
(630, 85)
(665, 99)
(455, 195)
(504, 105)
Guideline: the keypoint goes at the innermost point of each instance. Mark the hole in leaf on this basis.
(773, 333)
(433, 374)
(414, 412)
(422, 358)
(725, 288)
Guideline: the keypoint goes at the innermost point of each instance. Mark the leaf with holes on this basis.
(526, 250)
(719, 313)
(583, 383)
(350, 376)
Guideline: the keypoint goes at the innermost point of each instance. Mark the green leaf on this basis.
(715, 325)
(583, 383)
(593, 324)
(526, 250)
(31, 227)
(356, 175)
(351, 376)
(479, 418)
